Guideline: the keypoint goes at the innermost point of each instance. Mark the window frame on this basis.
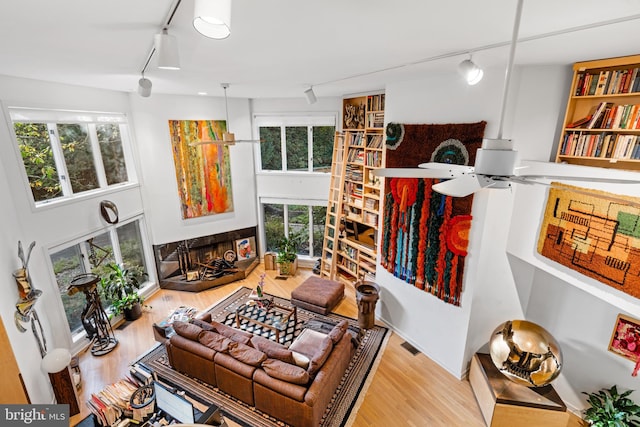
(308, 120)
(51, 118)
(77, 341)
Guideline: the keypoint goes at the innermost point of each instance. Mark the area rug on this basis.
(425, 234)
(595, 233)
(347, 398)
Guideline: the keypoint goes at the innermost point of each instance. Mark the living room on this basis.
(505, 279)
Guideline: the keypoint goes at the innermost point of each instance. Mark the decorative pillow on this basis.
(214, 341)
(321, 356)
(285, 371)
(273, 350)
(246, 354)
(300, 359)
(232, 333)
(187, 330)
(338, 331)
(206, 326)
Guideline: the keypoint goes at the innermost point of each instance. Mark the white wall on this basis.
(160, 191)
(47, 227)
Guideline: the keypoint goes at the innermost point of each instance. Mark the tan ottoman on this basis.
(317, 295)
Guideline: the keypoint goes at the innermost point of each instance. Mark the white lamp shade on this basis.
(144, 87)
(311, 96)
(470, 71)
(167, 48)
(56, 360)
(212, 18)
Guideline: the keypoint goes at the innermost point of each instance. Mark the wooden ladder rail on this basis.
(334, 208)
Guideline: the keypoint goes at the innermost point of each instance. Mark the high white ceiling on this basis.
(278, 48)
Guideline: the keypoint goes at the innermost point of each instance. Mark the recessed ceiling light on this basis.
(202, 93)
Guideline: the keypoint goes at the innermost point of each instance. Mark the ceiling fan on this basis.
(495, 164)
(228, 138)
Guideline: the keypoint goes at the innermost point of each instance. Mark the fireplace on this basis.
(208, 261)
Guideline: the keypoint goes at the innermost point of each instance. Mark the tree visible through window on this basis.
(305, 222)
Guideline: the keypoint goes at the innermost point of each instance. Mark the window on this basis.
(296, 143)
(67, 153)
(122, 244)
(304, 221)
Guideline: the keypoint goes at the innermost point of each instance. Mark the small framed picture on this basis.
(625, 339)
(246, 248)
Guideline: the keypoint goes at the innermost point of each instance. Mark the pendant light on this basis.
(212, 18)
(167, 48)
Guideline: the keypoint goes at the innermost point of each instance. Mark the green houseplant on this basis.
(611, 409)
(287, 258)
(120, 286)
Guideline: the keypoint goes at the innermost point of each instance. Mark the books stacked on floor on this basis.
(112, 403)
(142, 374)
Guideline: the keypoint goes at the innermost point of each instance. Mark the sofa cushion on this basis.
(321, 356)
(206, 326)
(214, 341)
(187, 330)
(232, 333)
(246, 354)
(285, 371)
(300, 359)
(308, 342)
(338, 331)
(273, 350)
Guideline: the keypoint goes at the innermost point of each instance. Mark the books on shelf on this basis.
(608, 82)
(603, 145)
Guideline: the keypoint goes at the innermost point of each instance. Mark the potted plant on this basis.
(120, 286)
(610, 409)
(287, 258)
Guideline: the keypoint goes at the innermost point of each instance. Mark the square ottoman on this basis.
(317, 295)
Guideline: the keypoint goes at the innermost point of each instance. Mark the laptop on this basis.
(182, 410)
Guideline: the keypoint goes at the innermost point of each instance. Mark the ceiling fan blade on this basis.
(461, 169)
(463, 185)
(530, 169)
(414, 173)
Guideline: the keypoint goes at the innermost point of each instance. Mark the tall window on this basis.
(122, 244)
(67, 153)
(296, 144)
(305, 222)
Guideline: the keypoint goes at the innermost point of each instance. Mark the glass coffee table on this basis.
(266, 314)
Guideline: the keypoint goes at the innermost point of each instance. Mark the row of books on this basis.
(370, 219)
(374, 159)
(353, 173)
(606, 115)
(604, 145)
(375, 102)
(355, 139)
(374, 141)
(375, 120)
(355, 156)
(609, 82)
(112, 402)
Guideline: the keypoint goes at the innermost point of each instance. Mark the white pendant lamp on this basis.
(167, 48)
(212, 18)
(470, 71)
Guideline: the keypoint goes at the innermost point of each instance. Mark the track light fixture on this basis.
(212, 18)
(167, 48)
(311, 96)
(144, 87)
(470, 71)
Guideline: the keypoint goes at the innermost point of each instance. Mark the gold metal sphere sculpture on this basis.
(525, 353)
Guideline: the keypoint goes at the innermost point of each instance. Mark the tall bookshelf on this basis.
(354, 255)
(602, 122)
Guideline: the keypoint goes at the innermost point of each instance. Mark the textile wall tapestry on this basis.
(203, 172)
(425, 234)
(595, 233)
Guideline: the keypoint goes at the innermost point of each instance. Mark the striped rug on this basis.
(347, 398)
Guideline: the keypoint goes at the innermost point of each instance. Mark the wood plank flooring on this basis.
(407, 389)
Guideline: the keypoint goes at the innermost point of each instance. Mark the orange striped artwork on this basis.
(203, 172)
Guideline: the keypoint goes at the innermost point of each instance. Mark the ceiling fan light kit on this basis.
(212, 18)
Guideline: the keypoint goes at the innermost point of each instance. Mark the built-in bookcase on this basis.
(602, 121)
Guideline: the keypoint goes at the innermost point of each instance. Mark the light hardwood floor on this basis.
(406, 390)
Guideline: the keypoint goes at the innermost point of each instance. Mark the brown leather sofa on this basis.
(293, 384)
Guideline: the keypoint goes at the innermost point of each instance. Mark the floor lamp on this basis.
(56, 364)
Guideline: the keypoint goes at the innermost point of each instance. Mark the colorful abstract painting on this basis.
(594, 233)
(203, 172)
(426, 234)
